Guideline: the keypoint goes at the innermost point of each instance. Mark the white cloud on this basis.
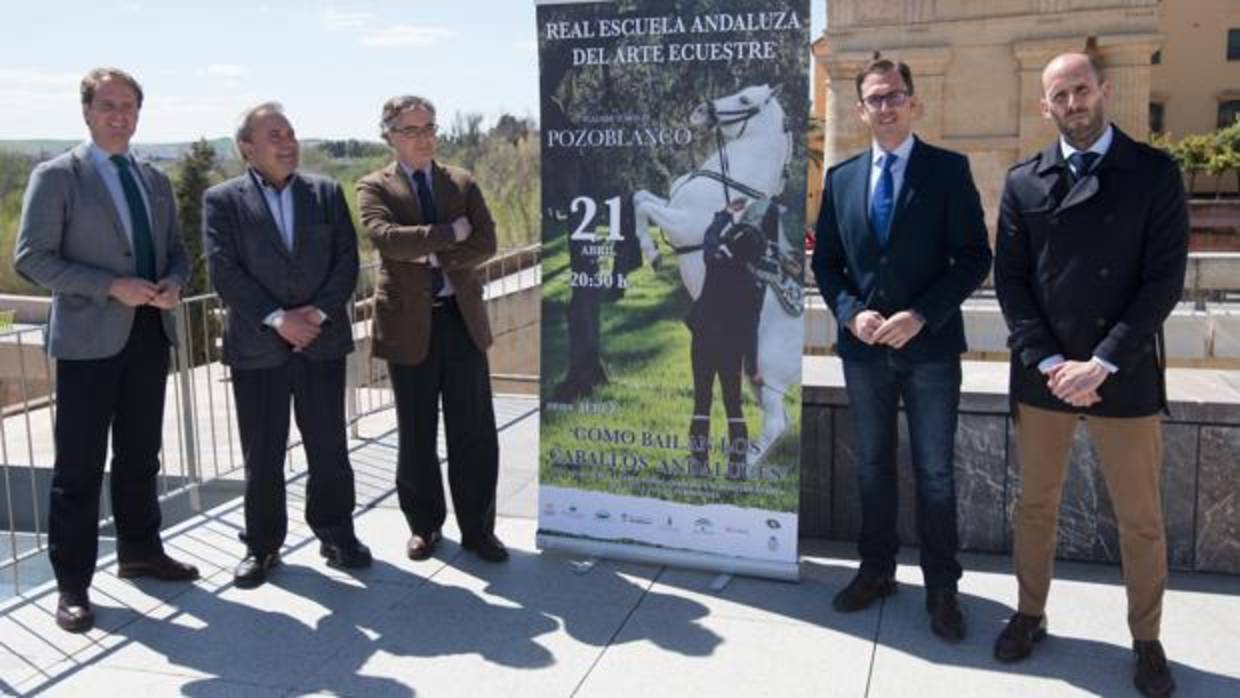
(341, 20)
(36, 79)
(405, 35)
(231, 71)
(129, 7)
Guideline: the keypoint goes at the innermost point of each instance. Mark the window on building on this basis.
(1233, 44)
(1156, 117)
(1227, 112)
(1156, 59)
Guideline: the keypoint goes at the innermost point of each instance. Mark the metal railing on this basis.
(200, 442)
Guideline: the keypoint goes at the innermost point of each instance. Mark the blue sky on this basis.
(331, 62)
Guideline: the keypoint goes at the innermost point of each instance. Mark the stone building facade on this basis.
(977, 70)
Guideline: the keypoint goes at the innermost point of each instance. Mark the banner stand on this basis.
(684, 559)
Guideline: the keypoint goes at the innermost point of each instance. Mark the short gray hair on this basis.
(245, 125)
(394, 107)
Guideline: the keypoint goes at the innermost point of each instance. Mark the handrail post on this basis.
(186, 408)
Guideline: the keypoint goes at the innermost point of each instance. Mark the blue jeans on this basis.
(931, 394)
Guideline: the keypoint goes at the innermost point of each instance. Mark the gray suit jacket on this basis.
(255, 274)
(72, 242)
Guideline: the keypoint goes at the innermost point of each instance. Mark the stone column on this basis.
(1126, 61)
(843, 131)
(928, 66)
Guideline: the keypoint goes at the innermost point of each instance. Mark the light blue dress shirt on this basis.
(112, 182)
(877, 156)
(431, 259)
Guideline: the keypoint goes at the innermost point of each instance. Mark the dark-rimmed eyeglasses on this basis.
(427, 131)
(894, 100)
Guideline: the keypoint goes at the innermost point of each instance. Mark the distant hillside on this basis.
(153, 151)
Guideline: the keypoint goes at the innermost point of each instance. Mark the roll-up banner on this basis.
(673, 196)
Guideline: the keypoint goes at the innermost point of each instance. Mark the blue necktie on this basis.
(143, 246)
(883, 202)
(427, 205)
(1082, 163)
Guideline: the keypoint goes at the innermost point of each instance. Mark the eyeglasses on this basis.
(894, 100)
(427, 131)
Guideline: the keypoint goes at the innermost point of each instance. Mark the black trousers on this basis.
(317, 392)
(456, 371)
(124, 394)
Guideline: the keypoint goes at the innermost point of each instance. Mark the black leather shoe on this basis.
(159, 567)
(487, 547)
(864, 589)
(253, 569)
(1152, 677)
(946, 620)
(1018, 637)
(73, 612)
(422, 545)
(348, 556)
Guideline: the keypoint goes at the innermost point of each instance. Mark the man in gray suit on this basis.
(282, 254)
(99, 230)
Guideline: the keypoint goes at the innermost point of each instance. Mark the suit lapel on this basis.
(303, 206)
(401, 188)
(856, 199)
(914, 174)
(93, 183)
(252, 199)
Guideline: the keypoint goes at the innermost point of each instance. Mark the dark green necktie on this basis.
(143, 247)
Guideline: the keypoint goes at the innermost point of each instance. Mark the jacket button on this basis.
(882, 260)
(1104, 272)
(1101, 322)
(882, 293)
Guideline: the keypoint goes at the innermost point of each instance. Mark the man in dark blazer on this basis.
(282, 255)
(432, 229)
(901, 243)
(1091, 249)
(99, 230)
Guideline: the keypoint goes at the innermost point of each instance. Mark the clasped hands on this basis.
(134, 291)
(300, 326)
(1076, 382)
(872, 328)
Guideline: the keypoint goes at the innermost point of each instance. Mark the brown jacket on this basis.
(393, 222)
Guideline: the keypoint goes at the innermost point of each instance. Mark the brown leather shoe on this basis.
(158, 567)
(422, 545)
(73, 612)
(1152, 676)
(1018, 637)
(864, 589)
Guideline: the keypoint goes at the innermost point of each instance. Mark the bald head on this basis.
(1072, 62)
(1074, 96)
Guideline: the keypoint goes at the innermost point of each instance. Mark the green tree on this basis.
(196, 169)
(1227, 152)
(1193, 155)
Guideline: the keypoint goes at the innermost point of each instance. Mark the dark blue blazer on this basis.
(255, 273)
(1092, 268)
(936, 255)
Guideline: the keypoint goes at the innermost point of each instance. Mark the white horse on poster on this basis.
(750, 160)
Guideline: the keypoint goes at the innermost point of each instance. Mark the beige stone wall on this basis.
(1195, 75)
(977, 70)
